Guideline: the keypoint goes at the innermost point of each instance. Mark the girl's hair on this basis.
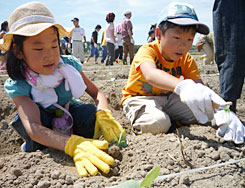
(110, 17)
(4, 26)
(15, 66)
(164, 26)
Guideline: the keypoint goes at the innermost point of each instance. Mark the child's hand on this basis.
(110, 128)
(232, 130)
(199, 99)
(87, 155)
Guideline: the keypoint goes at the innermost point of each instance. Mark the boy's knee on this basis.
(153, 124)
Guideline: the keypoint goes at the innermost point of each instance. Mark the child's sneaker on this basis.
(116, 60)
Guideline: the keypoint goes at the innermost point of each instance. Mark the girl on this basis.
(43, 84)
(110, 38)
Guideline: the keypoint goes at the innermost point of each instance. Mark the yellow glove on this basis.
(110, 128)
(87, 155)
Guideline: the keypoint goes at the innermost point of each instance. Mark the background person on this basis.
(151, 36)
(119, 45)
(110, 38)
(229, 40)
(77, 37)
(94, 46)
(205, 43)
(127, 37)
(3, 54)
(103, 47)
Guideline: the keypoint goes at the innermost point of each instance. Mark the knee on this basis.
(155, 124)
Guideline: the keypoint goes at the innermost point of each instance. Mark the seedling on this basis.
(122, 141)
(147, 181)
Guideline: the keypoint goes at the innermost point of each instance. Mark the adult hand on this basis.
(85, 45)
(132, 40)
(107, 124)
(199, 45)
(199, 99)
(87, 155)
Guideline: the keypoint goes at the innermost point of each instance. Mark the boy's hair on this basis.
(15, 66)
(164, 26)
(98, 27)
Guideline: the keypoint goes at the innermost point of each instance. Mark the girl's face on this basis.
(175, 42)
(41, 52)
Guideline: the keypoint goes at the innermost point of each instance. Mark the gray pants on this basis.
(110, 53)
(153, 114)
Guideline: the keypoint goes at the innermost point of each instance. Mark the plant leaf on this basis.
(153, 174)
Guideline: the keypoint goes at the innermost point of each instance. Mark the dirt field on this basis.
(51, 168)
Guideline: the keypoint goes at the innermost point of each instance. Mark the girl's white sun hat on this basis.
(30, 19)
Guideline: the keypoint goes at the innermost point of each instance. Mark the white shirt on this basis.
(108, 36)
(119, 39)
(78, 33)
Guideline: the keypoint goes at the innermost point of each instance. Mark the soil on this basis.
(52, 168)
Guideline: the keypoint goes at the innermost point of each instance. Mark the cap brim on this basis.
(201, 28)
(30, 30)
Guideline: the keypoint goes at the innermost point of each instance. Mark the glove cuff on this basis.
(183, 84)
(71, 144)
(103, 113)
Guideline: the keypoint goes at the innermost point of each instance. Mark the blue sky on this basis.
(93, 12)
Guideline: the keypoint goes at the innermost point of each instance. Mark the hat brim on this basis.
(30, 30)
(201, 28)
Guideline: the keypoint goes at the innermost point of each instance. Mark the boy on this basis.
(94, 47)
(154, 95)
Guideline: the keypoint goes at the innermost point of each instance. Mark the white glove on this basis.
(232, 130)
(199, 99)
(116, 46)
(132, 40)
(85, 45)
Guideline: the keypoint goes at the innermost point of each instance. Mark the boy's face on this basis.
(175, 42)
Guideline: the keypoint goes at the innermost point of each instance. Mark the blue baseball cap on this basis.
(183, 14)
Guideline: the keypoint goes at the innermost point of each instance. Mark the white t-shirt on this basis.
(78, 33)
(108, 36)
(119, 39)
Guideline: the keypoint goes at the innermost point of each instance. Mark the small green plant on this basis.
(147, 181)
(122, 141)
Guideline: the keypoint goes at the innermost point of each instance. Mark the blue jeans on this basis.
(84, 117)
(93, 51)
(104, 53)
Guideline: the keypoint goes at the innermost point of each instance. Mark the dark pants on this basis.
(110, 53)
(84, 117)
(229, 27)
(119, 53)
